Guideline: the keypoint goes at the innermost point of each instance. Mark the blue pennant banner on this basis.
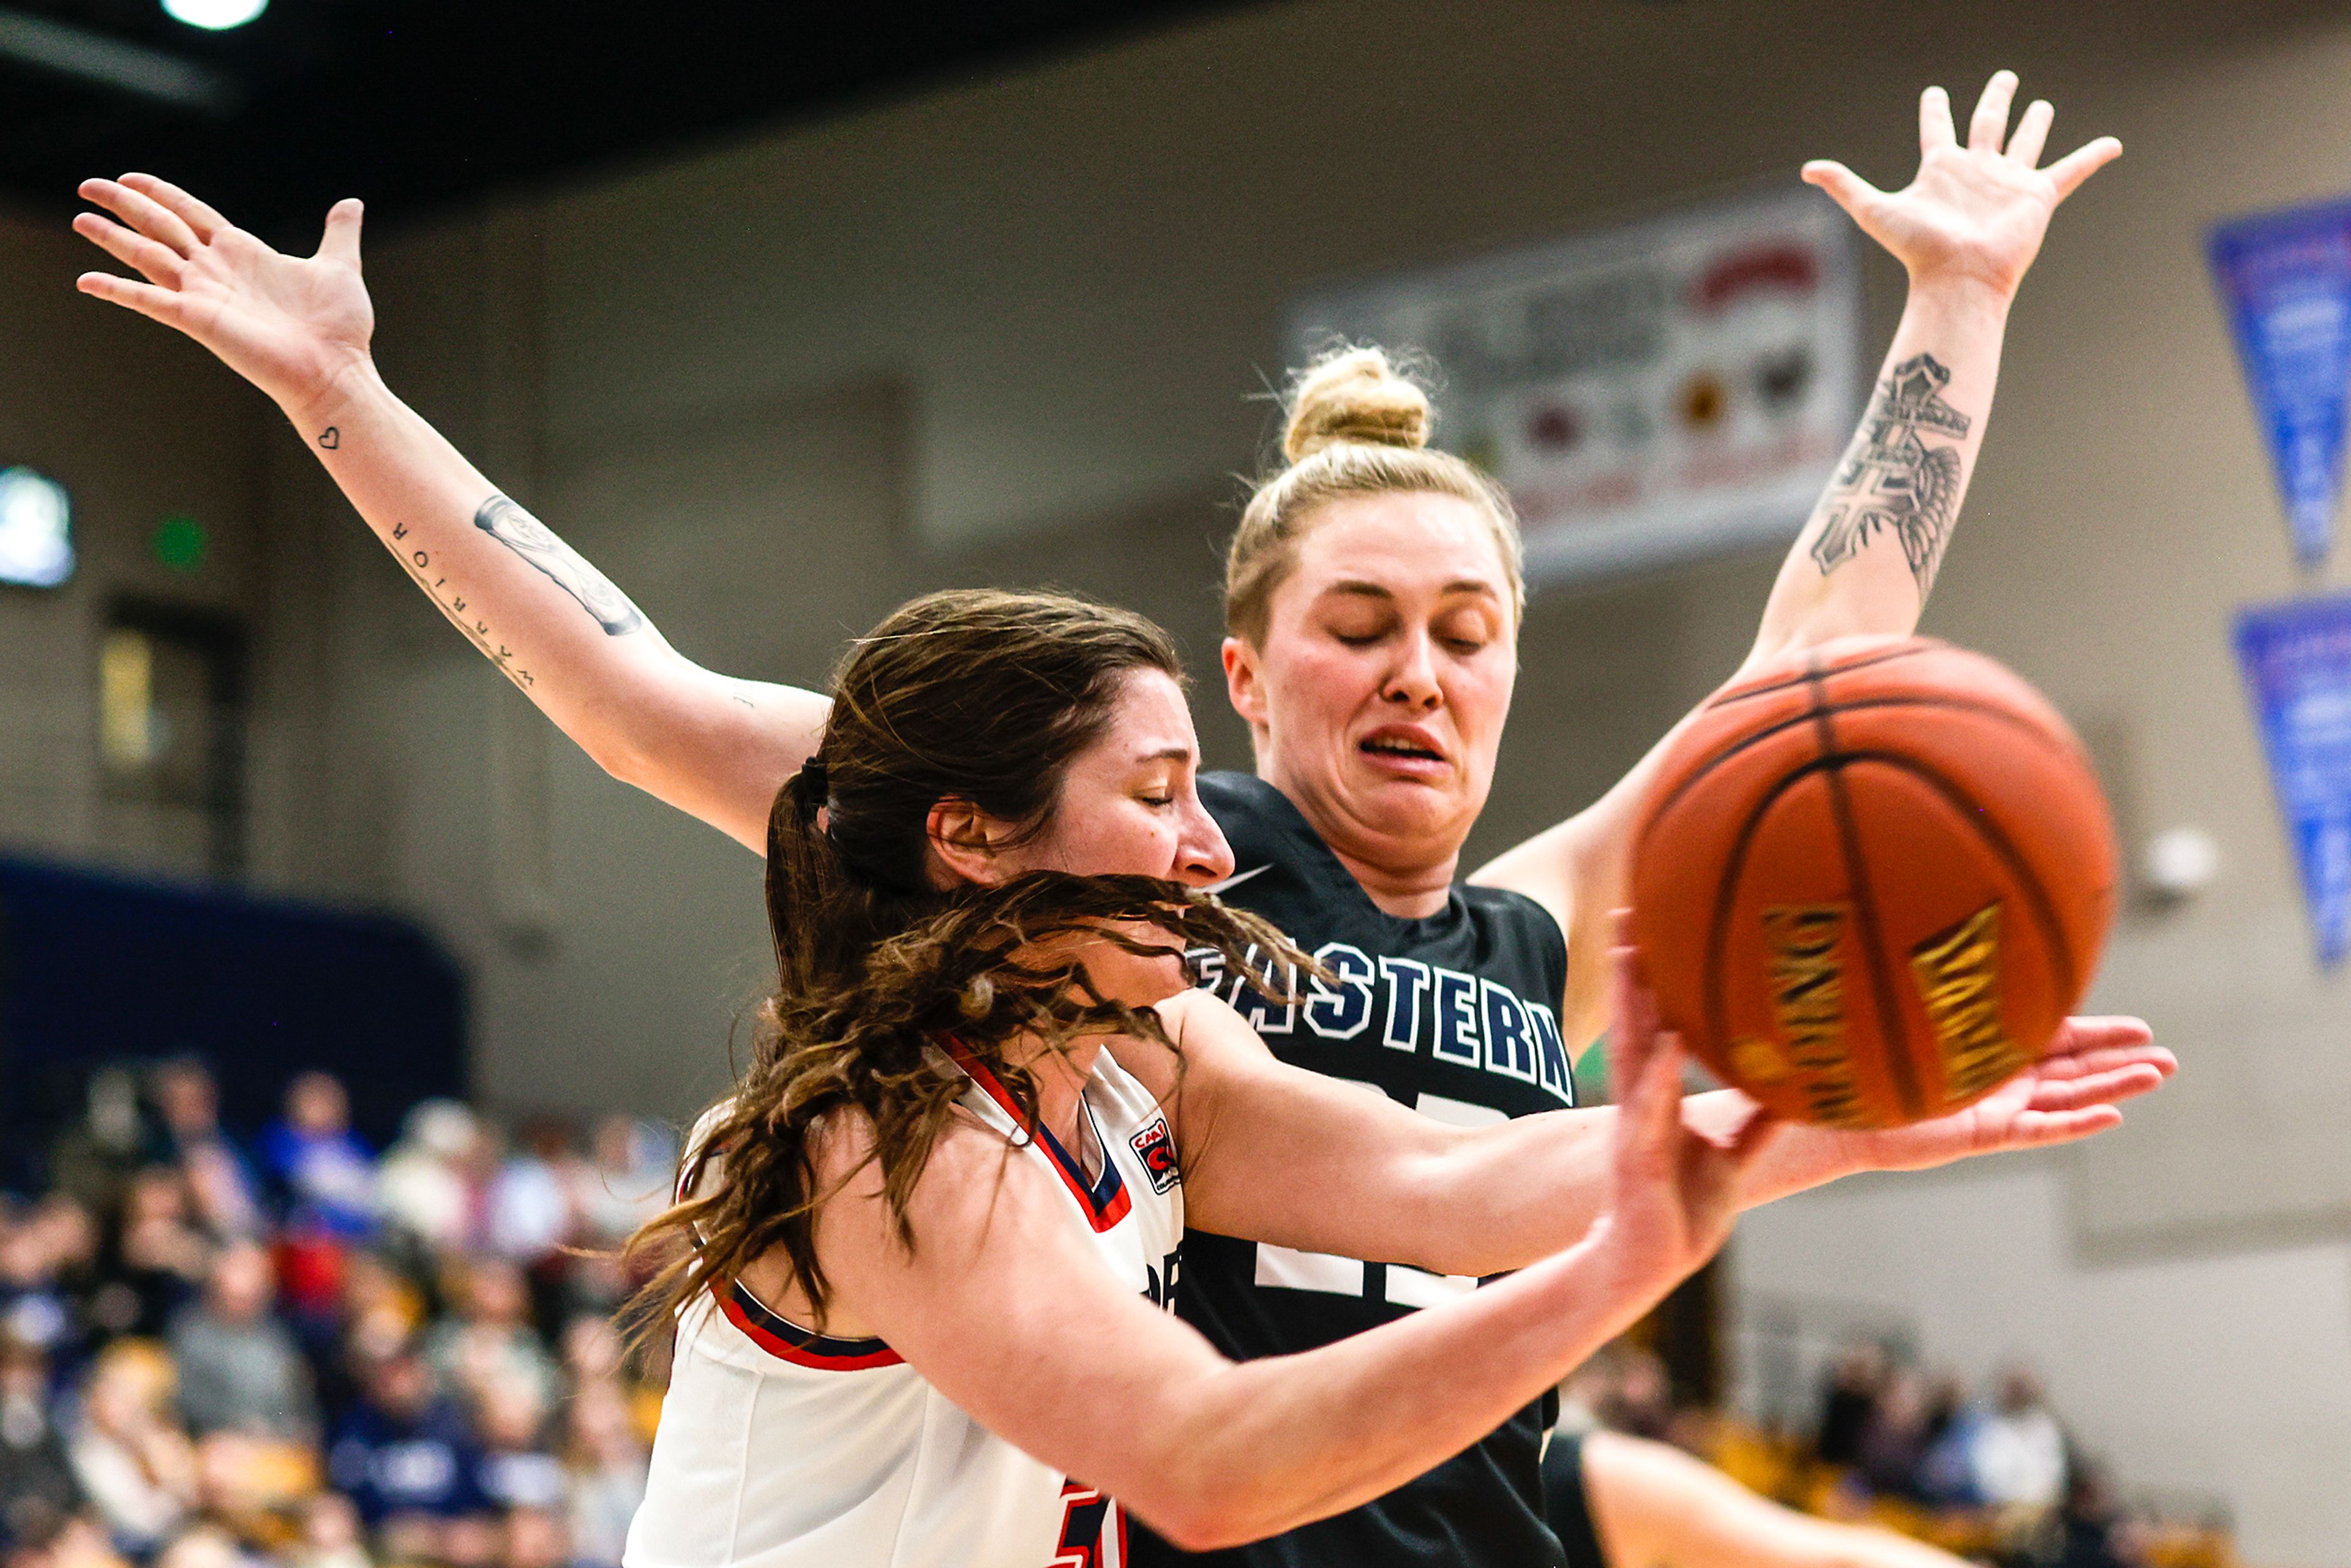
(2286, 278)
(2297, 661)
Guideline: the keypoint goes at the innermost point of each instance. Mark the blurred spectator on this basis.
(607, 1465)
(534, 1538)
(35, 1533)
(1639, 1398)
(325, 1174)
(490, 1343)
(33, 1461)
(38, 1251)
(221, 1186)
(2087, 1531)
(1855, 1381)
(530, 1201)
(130, 1457)
(1894, 1439)
(626, 1180)
(517, 1469)
(2017, 1452)
(431, 1183)
(205, 1547)
(405, 1458)
(92, 1161)
(240, 1370)
(330, 1535)
(159, 1259)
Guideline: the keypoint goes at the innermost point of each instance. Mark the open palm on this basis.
(2073, 1092)
(291, 325)
(1976, 212)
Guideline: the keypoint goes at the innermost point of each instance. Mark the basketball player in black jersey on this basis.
(1374, 598)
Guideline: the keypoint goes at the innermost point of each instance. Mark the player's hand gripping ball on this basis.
(1871, 882)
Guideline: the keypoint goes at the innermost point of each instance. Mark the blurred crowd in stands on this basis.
(1993, 1477)
(298, 1350)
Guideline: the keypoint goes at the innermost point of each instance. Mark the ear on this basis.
(966, 841)
(1242, 686)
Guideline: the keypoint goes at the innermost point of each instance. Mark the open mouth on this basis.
(1400, 748)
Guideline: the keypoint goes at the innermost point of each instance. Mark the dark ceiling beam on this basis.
(126, 67)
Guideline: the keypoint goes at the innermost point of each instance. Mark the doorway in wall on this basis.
(172, 739)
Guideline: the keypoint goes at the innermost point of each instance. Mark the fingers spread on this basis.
(2096, 1089)
(2105, 1059)
(341, 241)
(1844, 187)
(1655, 1105)
(2032, 132)
(2069, 172)
(1633, 1026)
(158, 263)
(2086, 1033)
(142, 213)
(1935, 128)
(1989, 128)
(2037, 1128)
(198, 218)
(162, 304)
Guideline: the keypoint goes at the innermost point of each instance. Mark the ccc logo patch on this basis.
(1156, 1150)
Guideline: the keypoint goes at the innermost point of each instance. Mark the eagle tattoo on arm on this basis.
(1892, 479)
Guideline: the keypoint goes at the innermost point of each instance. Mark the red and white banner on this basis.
(1667, 389)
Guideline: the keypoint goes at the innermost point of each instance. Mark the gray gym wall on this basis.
(1009, 333)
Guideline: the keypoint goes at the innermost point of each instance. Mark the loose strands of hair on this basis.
(872, 1049)
(876, 966)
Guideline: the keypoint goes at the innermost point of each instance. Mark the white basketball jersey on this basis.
(782, 1449)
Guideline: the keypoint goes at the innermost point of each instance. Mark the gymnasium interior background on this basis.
(1007, 322)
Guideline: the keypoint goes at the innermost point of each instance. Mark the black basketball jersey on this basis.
(1454, 1015)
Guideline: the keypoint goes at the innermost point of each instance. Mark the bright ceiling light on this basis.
(215, 16)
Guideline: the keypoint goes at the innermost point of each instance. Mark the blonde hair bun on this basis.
(1354, 394)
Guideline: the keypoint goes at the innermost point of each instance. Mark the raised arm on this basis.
(1088, 1377)
(299, 328)
(1966, 228)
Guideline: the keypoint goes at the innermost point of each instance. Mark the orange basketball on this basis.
(1870, 882)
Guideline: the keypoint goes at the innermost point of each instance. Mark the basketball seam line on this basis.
(2043, 908)
(1864, 909)
(1923, 645)
(1744, 742)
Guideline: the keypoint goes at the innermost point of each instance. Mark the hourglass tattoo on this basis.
(1892, 479)
(536, 543)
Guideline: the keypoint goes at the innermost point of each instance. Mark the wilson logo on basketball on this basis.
(1156, 1150)
(1807, 976)
(1958, 980)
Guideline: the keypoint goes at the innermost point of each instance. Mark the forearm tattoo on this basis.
(1892, 479)
(452, 603)
(536, 543)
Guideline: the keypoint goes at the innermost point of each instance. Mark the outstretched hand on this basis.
(1676, 1187)
(291, 325)
(1976, 212)
(2073, 1093)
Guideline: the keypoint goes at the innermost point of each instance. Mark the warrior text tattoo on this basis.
(531, 539)
(1892, 479)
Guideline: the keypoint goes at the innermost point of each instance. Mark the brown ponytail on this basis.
(973, 696)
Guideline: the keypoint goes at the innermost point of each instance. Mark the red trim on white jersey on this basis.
(1105, 1202)
(790, 1342)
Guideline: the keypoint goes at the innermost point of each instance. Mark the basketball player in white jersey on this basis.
(936, 1227)
(1374, 617)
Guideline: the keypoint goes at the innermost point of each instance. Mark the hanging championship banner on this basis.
(2297, 663)
(1653, 393)
(2286, 279)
